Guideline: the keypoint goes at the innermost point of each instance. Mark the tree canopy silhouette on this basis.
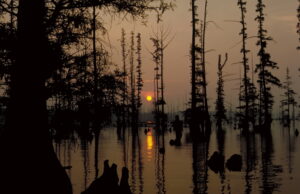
(46, 33)
(265, 76)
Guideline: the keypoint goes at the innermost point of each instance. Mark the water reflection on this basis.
(200, 169)
(269, 160)
(160, 163)
(97, 132)
(249, 154)
(221, 148)
(84, 145)
(150, 143)
(134, 175)
(269, 171)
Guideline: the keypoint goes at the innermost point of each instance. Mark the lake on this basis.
(270, 162)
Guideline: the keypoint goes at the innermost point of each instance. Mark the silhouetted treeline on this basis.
(46, 52)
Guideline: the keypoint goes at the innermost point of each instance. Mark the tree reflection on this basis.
(221, 147)
(200, 156)
(249, 155)
(269, 171)
(160, 161)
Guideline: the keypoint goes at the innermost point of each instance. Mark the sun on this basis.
(149, 98)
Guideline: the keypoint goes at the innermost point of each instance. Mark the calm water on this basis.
(270, 163)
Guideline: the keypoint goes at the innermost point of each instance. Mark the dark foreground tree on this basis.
(28, 163)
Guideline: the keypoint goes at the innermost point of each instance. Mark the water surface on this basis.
(269, 161)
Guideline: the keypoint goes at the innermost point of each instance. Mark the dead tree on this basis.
(199, 104)
(139, 79)
(244, 51)
(124, 78)
(289, 100)
(220, 107)
(298, 25)
(265, 77)
(132, 80)
(160, 41)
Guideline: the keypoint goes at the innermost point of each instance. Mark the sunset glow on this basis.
(158, 96)
(149, 98)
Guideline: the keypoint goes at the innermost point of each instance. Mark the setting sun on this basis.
(149, 98)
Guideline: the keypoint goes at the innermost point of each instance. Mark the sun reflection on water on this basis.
(149, 145)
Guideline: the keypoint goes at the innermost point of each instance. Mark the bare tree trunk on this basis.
(193, 58)
(245, 64)
(207, 118)
(95, 70)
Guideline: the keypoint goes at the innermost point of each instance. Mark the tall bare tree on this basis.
(298, 24)
(289, 101)
(220, 107)
(132, 79)
(199, 104)
(265, 77)
(161, 41)
(244, 51)
(139, 79)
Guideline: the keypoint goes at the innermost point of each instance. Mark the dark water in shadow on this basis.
(270, 161)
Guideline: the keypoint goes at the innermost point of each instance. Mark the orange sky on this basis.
(222, 36)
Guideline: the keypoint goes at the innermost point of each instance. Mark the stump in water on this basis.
(234, 163)
(108, 183)
(216, 162)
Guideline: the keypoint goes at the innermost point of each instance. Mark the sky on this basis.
(222, 36)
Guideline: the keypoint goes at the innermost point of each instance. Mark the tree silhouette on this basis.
(220, 107)
(156, 57)
(199, 105)
(265, 76)
(161, 41)
(139, 79)
(124, 71)
(50, 29)
(195, 21)
(7, 43)
(289, 101)
(246, 80)
(298, 25)
(31, 141)
(132, 79)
